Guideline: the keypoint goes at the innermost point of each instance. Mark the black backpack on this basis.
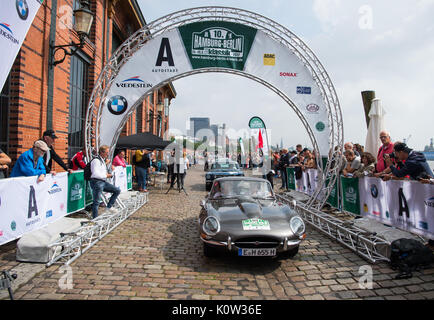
(409, 255)
(87, 170)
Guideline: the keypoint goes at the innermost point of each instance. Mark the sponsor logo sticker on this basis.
(304, 90)
(430, 202)
(49, 214)
(55, 189)
(320, 126)
(133, 82)
(269, 59)
(312, 108)
(22, 9)
(13, 226)
(288, 74)
(117, 105)
(374, 191)
(6, 31)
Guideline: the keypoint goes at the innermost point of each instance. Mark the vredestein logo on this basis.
(8, 34)
(117, 105)
(55, 189)
(217, 42)
(430, 202)
(133, 82)
(22, 9)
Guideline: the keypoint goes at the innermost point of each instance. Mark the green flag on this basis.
(350, 191)
(290, 173)
(76, 190)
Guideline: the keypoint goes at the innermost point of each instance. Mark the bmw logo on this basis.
(320, 126)
(374, 191)
(117, 105)
(22, 9)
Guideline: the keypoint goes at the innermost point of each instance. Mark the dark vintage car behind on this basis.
(222, 168)
(241, 215)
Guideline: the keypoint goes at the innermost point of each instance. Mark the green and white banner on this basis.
(290, 174)
(76, 191)
(350, 194)
(214, 45)
(16, 17)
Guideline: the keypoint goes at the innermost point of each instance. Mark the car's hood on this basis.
(236, 210)
(223, 172)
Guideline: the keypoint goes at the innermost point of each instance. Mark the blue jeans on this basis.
(142, 176)
(98, 186)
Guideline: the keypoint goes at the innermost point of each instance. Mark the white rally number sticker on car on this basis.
(256, 224)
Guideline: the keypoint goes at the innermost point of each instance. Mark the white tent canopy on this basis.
(376, 125)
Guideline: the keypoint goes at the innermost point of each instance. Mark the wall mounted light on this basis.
(83, 19)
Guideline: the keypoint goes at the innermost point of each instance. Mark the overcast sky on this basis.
(386, 46)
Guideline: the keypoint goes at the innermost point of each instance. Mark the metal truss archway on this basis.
(273, 30)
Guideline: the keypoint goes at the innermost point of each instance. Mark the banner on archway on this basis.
(214, 45)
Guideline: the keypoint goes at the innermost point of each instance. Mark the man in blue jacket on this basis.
(31, 163)
(415, 164)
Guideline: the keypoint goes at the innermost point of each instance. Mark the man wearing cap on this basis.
(48, 137)
(31, 163)
(415, 164)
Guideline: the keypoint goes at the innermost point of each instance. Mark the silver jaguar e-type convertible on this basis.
(241, 215)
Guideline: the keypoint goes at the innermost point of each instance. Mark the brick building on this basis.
(39, 96)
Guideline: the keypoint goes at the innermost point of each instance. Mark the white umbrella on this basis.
(376, 125)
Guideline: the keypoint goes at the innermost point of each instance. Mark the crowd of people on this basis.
(38, 161)
(394, 160)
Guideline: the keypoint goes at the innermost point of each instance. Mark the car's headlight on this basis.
(211, 226)
(297, 225)
(207, 176)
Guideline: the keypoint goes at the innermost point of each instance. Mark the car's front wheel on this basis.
(290, 253)
(208, 251)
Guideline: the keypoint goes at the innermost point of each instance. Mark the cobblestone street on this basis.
(157, 254)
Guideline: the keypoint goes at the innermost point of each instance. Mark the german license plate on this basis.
(257, 252)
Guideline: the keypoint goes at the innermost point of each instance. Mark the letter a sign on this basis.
(165, 53)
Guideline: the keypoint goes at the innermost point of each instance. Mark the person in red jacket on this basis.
(386, 148)
(78, 161)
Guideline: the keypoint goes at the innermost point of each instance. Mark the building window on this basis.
(151, 121)
(77, 105)
(4, 115)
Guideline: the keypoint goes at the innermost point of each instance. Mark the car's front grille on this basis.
(257, 242)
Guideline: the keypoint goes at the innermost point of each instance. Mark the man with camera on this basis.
(415, 165)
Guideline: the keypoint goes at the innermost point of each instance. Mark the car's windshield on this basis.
(234, 188)
(225, 166)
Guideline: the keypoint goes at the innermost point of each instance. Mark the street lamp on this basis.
(83, 22)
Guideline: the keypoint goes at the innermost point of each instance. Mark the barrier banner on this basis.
(290, 174)
(120, 178)
(26, 205)
(129, 177)
(411, 206)
(350, 194)
(373, 203)
(16, 17)
(333, 198)
(88, 194)
(76, 191)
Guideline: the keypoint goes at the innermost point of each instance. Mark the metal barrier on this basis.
(364, 243)
(72, 245)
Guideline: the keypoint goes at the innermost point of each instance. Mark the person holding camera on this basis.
(415, 165)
